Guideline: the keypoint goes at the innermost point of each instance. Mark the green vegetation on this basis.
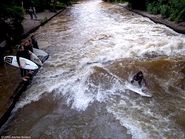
(172, 9)
(165, 10)
(11, 16)
(153, 7)
(138, 4)
(177, 10)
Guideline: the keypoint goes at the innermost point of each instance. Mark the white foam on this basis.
(143, 119)
(80, 92)
(77, 90)
(106, 40)
(30, 96)
(133, 127)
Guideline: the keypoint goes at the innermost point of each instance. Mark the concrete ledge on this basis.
(22, 85)
(16, 95)
(26, 34)
(157, 19)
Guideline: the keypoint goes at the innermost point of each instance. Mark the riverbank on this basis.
(178, 27)
(11, 85)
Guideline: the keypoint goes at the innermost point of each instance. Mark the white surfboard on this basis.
(40, 53)
(35, 59)
(25, 63)
(139, 90)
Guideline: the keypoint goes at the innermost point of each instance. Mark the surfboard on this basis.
(40, 53)
(25, 63)
(139, 90)
(35, 59)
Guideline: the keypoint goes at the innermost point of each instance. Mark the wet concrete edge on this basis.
(41, 24)
(23, 85)
(174, 26)
(165, 22)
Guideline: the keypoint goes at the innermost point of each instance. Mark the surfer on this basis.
(22, 52)
(138, 77)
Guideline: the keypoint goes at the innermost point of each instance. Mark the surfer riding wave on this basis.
(139, 77)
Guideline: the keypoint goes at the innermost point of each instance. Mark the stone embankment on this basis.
(11, 85)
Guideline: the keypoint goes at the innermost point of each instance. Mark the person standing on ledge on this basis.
(30, 12)
(34, 42)
(22, 52)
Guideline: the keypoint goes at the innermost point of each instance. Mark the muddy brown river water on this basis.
(80, 92)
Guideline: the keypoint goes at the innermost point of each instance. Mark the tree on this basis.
(138, 4)
(11, 16)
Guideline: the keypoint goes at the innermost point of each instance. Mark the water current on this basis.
(80, 92)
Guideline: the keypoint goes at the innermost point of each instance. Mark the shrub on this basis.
(174, 9)
(11, 16)
(165, 10)
(177, 10)
(60, 5)
(153, 8)
(138, 4)
(177, 15)
(15, 12)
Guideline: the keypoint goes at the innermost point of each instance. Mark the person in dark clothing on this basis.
(28, 45)
(9, 41)
(2, 50)
(34, 12)
(25, 54)
(34, 42)
(33, 9)
(53, 5)
(139, 78)
(30, 12)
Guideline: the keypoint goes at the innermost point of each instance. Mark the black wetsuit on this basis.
(138, 77)
(35, 44)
